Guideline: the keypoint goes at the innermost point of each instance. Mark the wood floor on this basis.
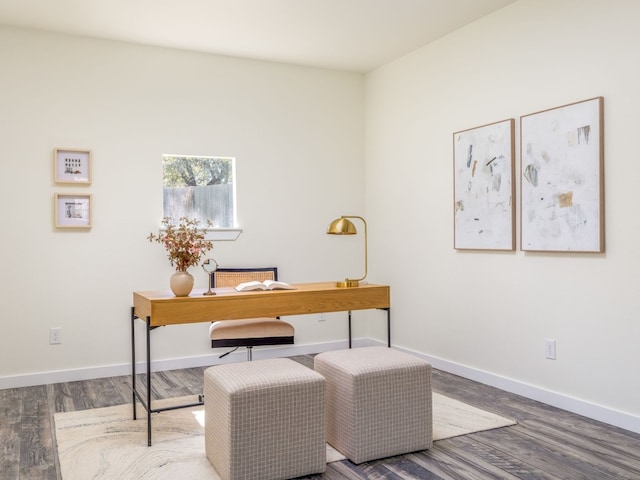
(547, 443)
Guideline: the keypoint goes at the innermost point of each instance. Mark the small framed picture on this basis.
(73, 210)
(72, 166)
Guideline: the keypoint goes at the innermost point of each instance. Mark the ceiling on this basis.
(350, 35)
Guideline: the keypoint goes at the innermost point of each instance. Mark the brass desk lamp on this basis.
(344, 226)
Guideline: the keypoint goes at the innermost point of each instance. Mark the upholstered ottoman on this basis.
(378, 402)
(265, 420)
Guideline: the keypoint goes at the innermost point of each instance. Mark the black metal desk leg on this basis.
(349, 328)
(133, 361)
(148, 329)
(144, 397)
(388, 327)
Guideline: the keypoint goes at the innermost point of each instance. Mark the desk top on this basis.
(163, 308)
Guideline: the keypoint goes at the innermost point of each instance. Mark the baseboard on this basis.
(77, 374)
(565, 402)
(606, 415)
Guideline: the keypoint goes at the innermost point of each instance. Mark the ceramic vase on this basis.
(181, 283)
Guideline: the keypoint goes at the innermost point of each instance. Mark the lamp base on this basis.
(348, 283)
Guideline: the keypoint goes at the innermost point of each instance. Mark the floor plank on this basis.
(10, 426)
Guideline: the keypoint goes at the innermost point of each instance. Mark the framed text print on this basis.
(484, 187)
(72, 210)
(72, 166)
(562, 185)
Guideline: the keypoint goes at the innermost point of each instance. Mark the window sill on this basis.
(223, 234)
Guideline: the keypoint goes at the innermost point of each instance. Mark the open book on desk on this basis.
(266, 285)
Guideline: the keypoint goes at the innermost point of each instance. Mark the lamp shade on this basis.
(341, 226)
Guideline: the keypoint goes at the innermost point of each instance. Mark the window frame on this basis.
(214, 233)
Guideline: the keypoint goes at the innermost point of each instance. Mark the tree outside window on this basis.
(200, 187)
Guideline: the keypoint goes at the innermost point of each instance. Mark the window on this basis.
(200, 187)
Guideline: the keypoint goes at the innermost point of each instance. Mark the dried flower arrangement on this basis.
(185, 243)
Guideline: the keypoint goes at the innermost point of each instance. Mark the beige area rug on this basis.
(105, 443)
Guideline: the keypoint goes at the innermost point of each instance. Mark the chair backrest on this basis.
(230, 277)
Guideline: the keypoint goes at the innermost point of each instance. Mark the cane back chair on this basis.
(252, 332)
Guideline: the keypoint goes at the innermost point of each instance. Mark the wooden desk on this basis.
(160, 308)
(163, 308)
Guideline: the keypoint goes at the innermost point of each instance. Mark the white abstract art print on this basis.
(561, 178)
(484, 187)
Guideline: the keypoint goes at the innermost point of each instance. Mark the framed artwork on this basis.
(72, 166)
(73, 210)
(483, 175)
(561, 178)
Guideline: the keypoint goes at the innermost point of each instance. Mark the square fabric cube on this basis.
(265, 420)
(378, 402)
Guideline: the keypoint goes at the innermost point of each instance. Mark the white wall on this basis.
(297, 134)
(488, 314)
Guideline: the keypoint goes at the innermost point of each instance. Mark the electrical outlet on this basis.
(323, 317)
(55, 336)
(550, 349)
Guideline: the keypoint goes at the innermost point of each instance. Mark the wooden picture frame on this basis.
(73, 210)
(72, 166)
(484, 187)
(562, 178)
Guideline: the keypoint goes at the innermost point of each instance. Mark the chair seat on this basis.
(253, 331)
